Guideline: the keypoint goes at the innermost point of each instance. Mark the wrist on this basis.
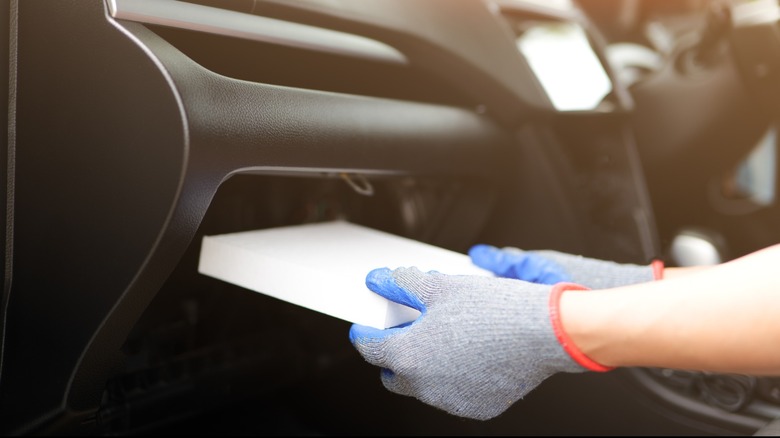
(570, 345)
(658, 269)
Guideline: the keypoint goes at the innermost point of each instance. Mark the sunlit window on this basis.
(568, 69)
(752, 183)
(755, 177)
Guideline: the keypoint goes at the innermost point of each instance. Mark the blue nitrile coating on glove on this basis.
(520, 265)
(381, 282)
(550, 267)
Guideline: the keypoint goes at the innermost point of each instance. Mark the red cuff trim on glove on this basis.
(658, 269)
(563, 338)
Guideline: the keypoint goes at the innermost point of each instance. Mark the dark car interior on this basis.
(625, 130)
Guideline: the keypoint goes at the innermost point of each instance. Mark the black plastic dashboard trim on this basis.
(113, 190)
(182, 15)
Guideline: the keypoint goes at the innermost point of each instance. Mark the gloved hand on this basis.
(479, 345)
(550, 267)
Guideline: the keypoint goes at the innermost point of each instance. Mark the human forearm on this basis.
(674, 272)
(721, 319)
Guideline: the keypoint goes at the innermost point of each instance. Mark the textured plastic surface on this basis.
(110, 194)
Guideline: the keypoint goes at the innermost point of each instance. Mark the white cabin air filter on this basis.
(323, 267)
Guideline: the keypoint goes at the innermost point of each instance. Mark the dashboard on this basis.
(142, 125)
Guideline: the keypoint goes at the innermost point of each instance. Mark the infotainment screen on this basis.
(563, 60)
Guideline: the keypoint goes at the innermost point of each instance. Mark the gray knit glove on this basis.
(479, 345)
(550, 267)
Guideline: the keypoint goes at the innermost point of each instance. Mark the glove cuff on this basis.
(658, 269)
(563, 338)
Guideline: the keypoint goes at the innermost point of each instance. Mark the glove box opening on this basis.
(203, 344)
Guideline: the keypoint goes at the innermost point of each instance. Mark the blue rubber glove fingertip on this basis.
(358, 332)
(378, 277)
(485, 256)
(382, 282)
(480, 250)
